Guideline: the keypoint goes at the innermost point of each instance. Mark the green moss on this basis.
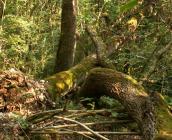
(62, 82)
(164, 119)
(82, 69)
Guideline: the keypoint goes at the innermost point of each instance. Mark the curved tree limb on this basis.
(98, 43)
(128, 92)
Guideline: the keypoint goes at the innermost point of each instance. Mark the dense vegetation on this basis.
(137, 36)
(30, 33)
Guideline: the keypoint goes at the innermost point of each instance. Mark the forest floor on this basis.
(26, 112)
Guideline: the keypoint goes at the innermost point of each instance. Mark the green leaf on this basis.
(128, 6)
(114, 114)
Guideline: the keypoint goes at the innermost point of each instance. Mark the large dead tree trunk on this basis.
(63, 82)
(132, 96)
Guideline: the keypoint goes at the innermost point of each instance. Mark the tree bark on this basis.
(98, 43)
(66, 48)
(151, 114)
(2, 7)
(154, 58)
(63, 82)
(127, 91)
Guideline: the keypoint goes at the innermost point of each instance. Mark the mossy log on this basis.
(164, 118)
(131, 95)
(63, 82)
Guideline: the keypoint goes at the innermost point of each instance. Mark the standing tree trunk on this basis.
(2, 7)
(67, 43)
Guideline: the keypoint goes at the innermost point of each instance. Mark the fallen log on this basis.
(63, 82)
(131, 95)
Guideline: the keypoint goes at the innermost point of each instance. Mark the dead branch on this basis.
(128, 92)
(87, 124)
(98, 43)
(84, 126)
(41, 116)
(85, 132)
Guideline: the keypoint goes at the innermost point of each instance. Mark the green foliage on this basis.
(20, 120)
(168, 100)
(30, 30)
(109, 102)
(29, 35)
(134, 43)
(128, 6)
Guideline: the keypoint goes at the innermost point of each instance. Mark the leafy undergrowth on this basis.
(27, 113)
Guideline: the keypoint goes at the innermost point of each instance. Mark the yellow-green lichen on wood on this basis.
(62, 82)
(164, 118)
(122, 78)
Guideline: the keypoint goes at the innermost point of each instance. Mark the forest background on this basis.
(43, 37)
(134, 32)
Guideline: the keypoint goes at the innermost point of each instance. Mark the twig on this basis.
(85, 135)
(84, 126)
(87, 124)
(82, 114)
(41, 116)
(84, 132)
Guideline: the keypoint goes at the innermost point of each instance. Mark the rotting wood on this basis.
(63, 82)
(151, 114)
(128, 92)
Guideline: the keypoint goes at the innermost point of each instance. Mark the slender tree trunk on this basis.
(67, 43)
(2, 7)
